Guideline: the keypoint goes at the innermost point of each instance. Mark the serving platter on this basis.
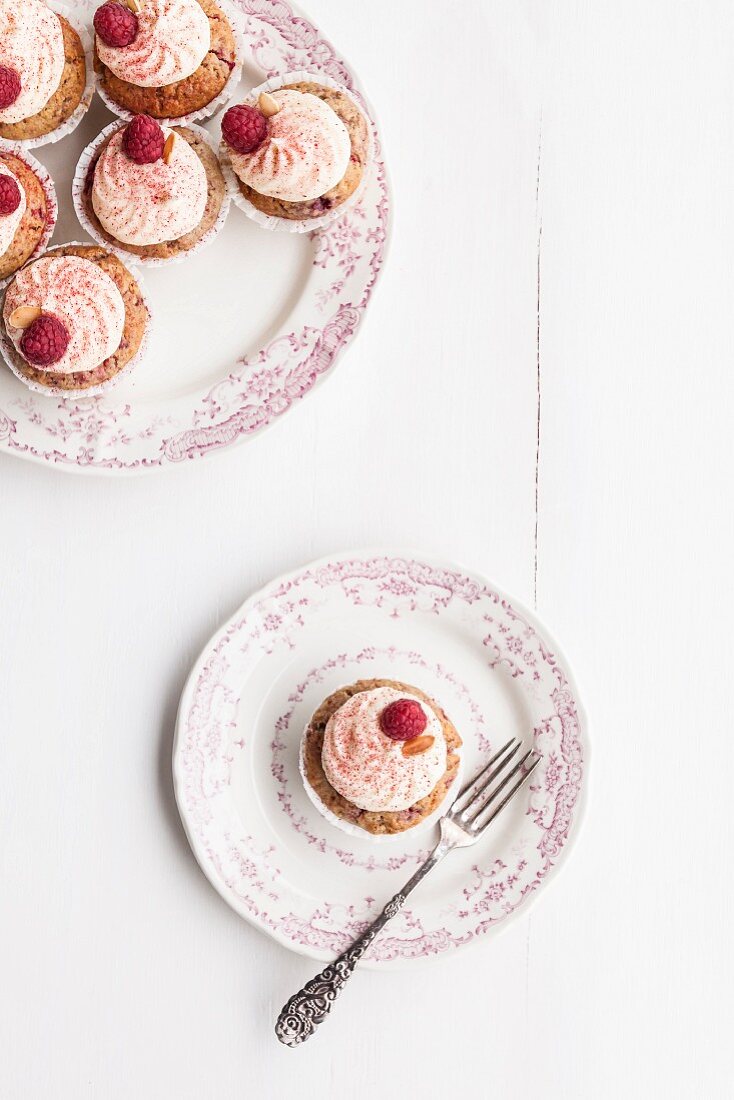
(242, 331)
(257, 836)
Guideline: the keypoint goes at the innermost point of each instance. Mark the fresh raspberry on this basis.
(9, 86)
(403, 720)
(45, 340)
(9, 194)
(244, 128)
(115, 24)
(143, 140)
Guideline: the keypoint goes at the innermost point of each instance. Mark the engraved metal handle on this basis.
(311, 1005)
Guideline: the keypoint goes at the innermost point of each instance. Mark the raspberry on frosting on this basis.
(403, 720)
(116, 24)
(143, 140)
(244, 128)
(45, 340)
(10, 196)
(9, 86)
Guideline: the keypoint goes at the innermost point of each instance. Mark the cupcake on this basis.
(27, 209)
(73, 320)
(43, 72)
(165, 58)
(380, 755)
(298, 152)
(150, 192)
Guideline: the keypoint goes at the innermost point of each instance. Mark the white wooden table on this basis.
(554, 324)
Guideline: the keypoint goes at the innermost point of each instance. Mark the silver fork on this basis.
(475, 808)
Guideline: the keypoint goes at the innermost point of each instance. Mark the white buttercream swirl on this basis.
(304, 155)
(172, 41)
(144, 204)
(9, 222)
(83, 297)
(370, 769)
(32, 43)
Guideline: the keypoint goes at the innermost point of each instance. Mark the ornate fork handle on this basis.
(311, 1005)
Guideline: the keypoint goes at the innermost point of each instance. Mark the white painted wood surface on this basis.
(123, 974)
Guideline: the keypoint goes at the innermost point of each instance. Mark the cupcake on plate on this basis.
(150, 192)
(44, 87)
(298, 151)
(169, 59)
(27, 209)
(73, 321)
(380, 755)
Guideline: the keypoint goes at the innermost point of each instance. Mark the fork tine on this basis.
(477, 810)
(500, 758)
(479, 829)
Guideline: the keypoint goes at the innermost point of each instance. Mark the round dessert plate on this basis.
(272, 856)
(244, 332)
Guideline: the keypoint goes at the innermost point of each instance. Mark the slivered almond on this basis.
(24, 316)
(268, 106)
(134, 6)
(168, 147)
(418, 745)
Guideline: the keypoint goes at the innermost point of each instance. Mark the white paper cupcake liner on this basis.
(355, 830)
(74, 119)
(7, 348)
(235, 21)
(47, 183)
(306, 225)
(131, 258)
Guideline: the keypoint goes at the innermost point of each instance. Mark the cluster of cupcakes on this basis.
(152, 188)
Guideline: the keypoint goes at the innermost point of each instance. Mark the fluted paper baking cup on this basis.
(235, 21)
(8, 349)
(132, 258)
(82, 107)
(47, 184)
(355, 830)
(305, 225)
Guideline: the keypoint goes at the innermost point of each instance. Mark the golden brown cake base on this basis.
(34, 221)
(374, 821)
(136, 321)
(65, 99)
(216, 191)
(183, 96)
(356, 124)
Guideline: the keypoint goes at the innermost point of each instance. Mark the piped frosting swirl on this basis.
(82, 296)
(305, 153)
(32, 43)
(145, 204)
(370, 769)
(172, 41)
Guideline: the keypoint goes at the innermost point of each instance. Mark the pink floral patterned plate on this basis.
(253, 829)
(243, 331)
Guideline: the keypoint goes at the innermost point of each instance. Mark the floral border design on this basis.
(271, 622)
(96, 434)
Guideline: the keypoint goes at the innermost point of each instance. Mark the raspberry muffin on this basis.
(297, 152)
(43, 71)
(150, 192)
(380, 755)
(164, 58)
(27, 209)
(73, 320)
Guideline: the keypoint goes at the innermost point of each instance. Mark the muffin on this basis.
(165, 58)
(43, 72)
(150, 192)
(27, 209)
(297, 151)
(73, 320)
(381, 755)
